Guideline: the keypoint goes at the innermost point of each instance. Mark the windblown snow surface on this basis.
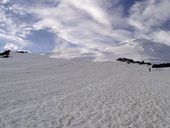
(39, 92)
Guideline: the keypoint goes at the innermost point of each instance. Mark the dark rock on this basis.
(132, 61)
(21, 52)
(164, 65)
(5, 54)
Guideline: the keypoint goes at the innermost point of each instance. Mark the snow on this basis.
(39, 92)
(137, 49)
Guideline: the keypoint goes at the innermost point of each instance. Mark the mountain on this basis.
(137, 49)
(141, 49)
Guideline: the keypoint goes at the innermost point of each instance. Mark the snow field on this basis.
(38, 92)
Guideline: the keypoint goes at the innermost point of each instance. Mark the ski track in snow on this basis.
(38, 92)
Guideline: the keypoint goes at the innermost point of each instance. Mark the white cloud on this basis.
(148, 14)
(4, 1)
(148, 19)
(10, 46)
(17, 42)
(92, 8)
(162, 36)
(12, 29)
(85, 23)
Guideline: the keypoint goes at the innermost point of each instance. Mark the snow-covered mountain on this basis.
(141, 49)
(137, 49)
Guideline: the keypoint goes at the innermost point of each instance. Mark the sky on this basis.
(42, 26)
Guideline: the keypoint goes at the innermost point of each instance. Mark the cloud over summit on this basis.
(84, 23)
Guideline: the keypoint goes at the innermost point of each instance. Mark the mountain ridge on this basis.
(137, 49)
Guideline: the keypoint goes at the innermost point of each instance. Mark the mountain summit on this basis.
(142, 49)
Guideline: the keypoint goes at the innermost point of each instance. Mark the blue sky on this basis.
(50, 25)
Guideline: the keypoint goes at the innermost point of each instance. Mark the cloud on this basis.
(162, 36)
(149, 14)
(9, 40)
(92, 9)
(82, 24)
(13, 29)
(4, 1)
(10, 46)
(150, 19)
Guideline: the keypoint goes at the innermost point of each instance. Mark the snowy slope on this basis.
(39, 92)
(137, 49)
(142, 49)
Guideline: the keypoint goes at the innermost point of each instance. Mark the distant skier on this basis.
(149, 69)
